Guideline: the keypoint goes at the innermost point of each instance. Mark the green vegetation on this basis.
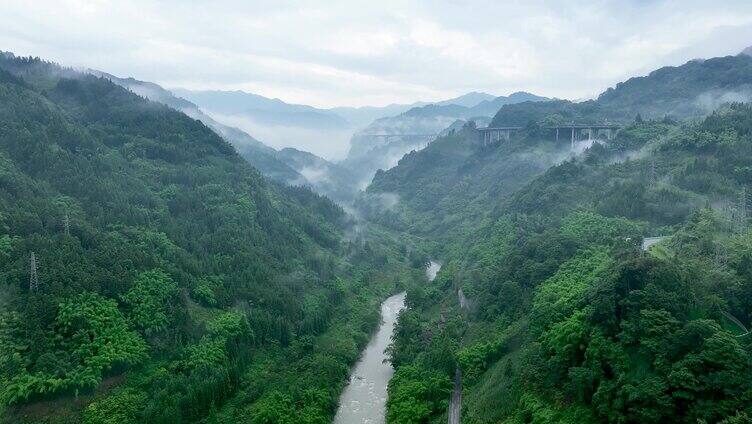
(690, 90)
(569, 321)
(175, 284)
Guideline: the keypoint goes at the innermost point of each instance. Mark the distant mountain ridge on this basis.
(693, 89)
(484, 107)
(299, 167)
(288, 165)
(467, 100)
(326, 132)
(276, 111)
(264, 109)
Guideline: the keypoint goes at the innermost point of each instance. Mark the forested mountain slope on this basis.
(259, 155)
(690, 90)
(331, 180)
(139, 249)
(455, 182)
(569, 320)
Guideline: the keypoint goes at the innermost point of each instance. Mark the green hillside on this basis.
(454, 184)
(173, 282)
(690, 90)
(568, 319)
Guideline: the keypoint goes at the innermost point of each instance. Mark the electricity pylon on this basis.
(66, 224)
(33, 276)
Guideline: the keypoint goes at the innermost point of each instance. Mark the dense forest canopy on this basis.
(166, 266)
(569, 319)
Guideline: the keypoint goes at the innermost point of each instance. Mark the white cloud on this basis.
(358, 52)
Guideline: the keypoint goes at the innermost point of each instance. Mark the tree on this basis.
(150, 301)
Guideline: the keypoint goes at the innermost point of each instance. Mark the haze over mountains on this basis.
(330, 133)
(327, 132)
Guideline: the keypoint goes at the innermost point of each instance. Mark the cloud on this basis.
(374, 53)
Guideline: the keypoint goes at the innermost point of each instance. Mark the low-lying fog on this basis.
(330, 144)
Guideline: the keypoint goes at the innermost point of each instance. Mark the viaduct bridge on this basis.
(576, 132)
(493, 135)
(387, 136)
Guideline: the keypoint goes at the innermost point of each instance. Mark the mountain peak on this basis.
(468, 99)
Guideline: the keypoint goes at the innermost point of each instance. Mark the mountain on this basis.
(456, 173)
(484, 106)
(324, 177)
(368, 153)
(148, 273)
(263, 109)
(490, 107)
(261, 156)
(470, 99)
(290, 166)
(279, 124)
(691, 90)
(547, 307)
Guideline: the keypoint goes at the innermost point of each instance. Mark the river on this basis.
(364, 398)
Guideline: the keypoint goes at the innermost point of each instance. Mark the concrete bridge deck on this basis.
(397, 135)
(491, 135)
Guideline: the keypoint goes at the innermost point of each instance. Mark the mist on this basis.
(712, 100)
(332, 145)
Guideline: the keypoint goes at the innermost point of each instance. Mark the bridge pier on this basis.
(573, 138)
(578, 131)
(492, 135)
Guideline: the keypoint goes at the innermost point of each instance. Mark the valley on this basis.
(187, 255)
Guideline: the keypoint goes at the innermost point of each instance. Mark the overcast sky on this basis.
(330, 53)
